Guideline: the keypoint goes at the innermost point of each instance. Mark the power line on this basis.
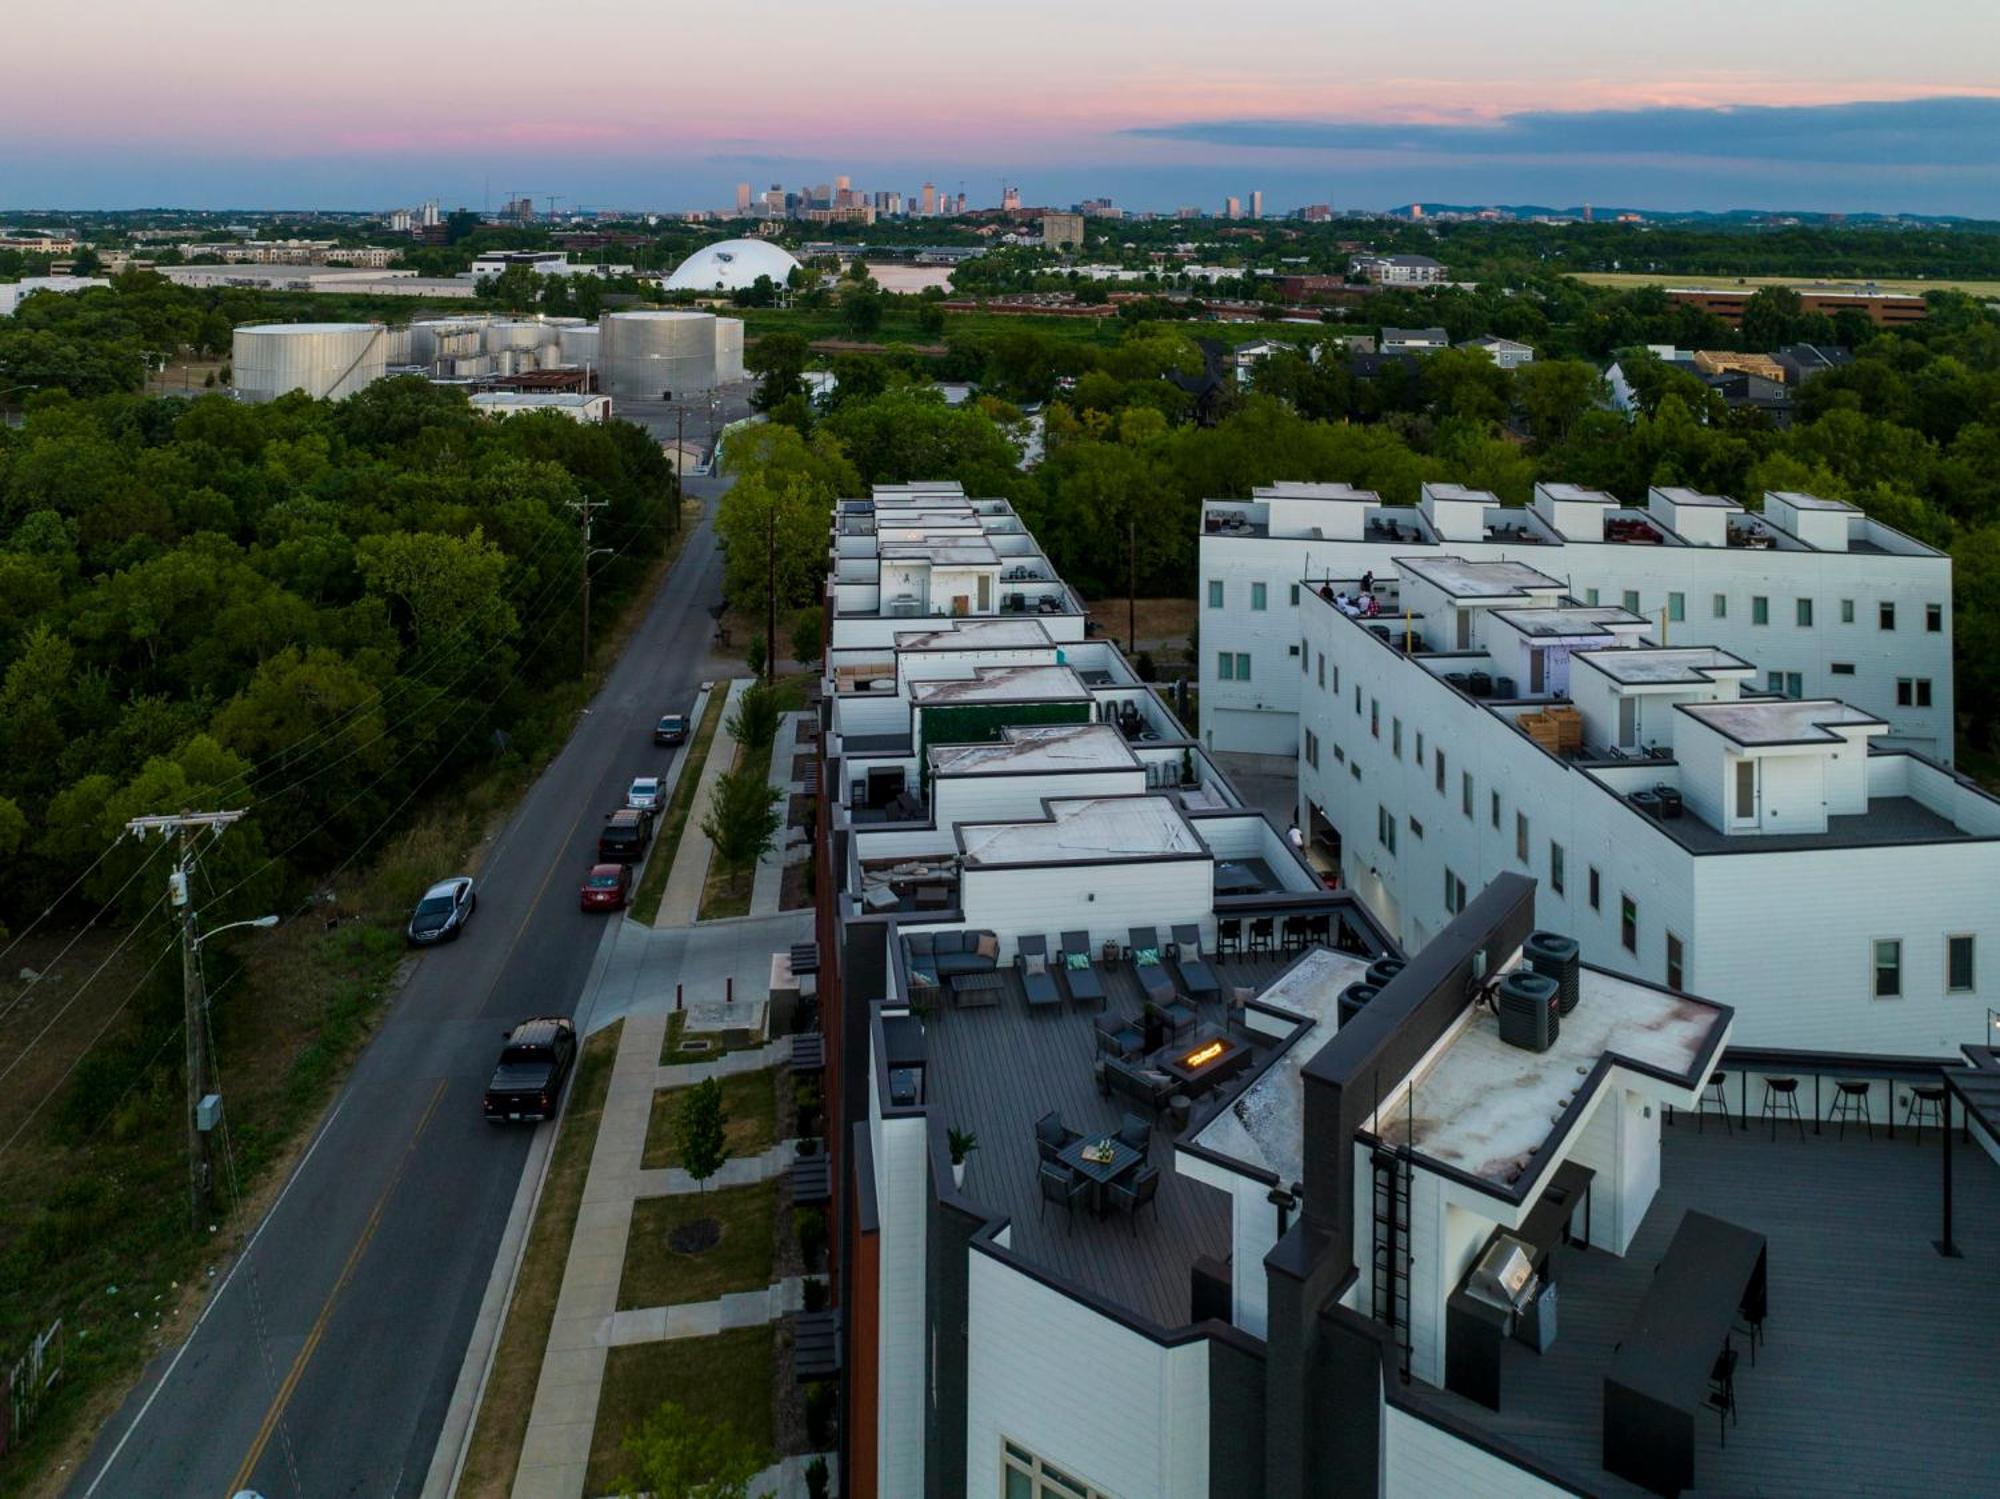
(49, 967)
(68, 891)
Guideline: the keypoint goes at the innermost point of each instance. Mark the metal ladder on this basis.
(1391, 1263)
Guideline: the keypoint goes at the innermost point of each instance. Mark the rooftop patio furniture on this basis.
(1051, 1135)
(1196, 976)
(1118, 1037)
(1141, 1190)
(1261, 929)
(1061, 1186)
(1085, 986)
(1926, 1105)
(1781, 1101)
(1137, 1082)
(1176, 1014)
(1228, 936)
(971, 991)
(1031, 960)
(937, 956)
(1136, 1132)
(1148, 964)
(1096, 1171)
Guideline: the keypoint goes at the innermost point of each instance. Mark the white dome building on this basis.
(732, 265)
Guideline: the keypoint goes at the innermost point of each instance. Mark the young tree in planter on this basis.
(699, 1132)
(744, 819)
(678, 1455)
(755, 722)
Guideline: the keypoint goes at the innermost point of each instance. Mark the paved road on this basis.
(325, 1364)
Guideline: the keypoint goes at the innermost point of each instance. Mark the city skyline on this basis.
(1468, 105)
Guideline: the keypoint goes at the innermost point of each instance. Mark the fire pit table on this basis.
(1201, 1061)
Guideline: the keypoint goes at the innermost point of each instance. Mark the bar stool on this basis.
(1781, 1100)
(1851, 1102)
(1714, 1093)
(1229, 936)
(1722, 1391)
(1926, 1104)
(1261, 934)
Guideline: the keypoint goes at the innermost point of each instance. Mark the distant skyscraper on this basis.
(930, 201)
(1232, 208)
(1416, 210)
(430, 214)
(1257, 204)
(1010, 198)
(742, 200)
(1187, 211)
(961, 203)
(1586, 214)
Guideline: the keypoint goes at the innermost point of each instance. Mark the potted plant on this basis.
(961, 1143)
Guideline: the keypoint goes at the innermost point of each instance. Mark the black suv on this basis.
(672, 729)
(534, 1065)
(625, 835)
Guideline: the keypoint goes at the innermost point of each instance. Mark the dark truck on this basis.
(624, 836)
(534, 1065)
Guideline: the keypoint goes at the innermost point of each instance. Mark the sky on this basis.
(1664, 104)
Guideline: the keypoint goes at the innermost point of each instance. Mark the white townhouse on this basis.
(1819, 598)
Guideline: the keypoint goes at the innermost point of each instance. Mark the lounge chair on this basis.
(1031, 961)
(1137, 1082)
(1196, 976)
(1085, 987)
(1144, 950)
(1175, 1013)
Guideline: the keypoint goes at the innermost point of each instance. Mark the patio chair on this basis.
(1176, 1013)
(1118, 1037)
(1061, 1186)
(1143, 1188)
(1084, 984)
(1052, 1135)
(1137, 1133)
(1196, 976)
(1031, 961)
(1228, 935)
(1143, 948)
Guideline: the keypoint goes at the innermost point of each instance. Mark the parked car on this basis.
(644, 793)
(607, 887)
(625, 835)
(534, 1065)
(671, 729)
(443, 912)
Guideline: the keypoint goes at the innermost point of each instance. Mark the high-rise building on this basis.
(1416, 210)
(1232, 208)
(430, 214)
(960, 209)
(1187, 211)
(399, 221)
(930, 201)
(1257, 204)
(742, 199)
(1010, 198)
(1062, 231)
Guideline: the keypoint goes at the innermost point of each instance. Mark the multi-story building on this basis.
(1691, 830)
(1885, 309)
(1062, 231)
(1821, 599)
(1162, 1170)
(1257, 204)
(930, 200)
(1508, 353)
(1400, 270)
(1414, 340)
(1232, 207)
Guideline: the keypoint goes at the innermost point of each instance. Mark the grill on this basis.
(1504, 1276)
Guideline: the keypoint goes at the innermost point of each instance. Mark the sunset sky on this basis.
(1684, 104)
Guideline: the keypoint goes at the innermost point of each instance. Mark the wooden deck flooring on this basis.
(1876, 1373)
(997, 1070)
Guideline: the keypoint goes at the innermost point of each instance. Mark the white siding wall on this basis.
(902, 1199)
(1429, 1249)
(1419, 1461)
(1106, 899)
(1081, 1391)
(958, 799)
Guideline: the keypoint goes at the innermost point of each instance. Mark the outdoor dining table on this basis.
(1711, 1273)
(1099, 1174)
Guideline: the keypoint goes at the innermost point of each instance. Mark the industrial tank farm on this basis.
(649, 354)
(325, 360)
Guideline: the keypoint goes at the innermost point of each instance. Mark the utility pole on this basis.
(586, 509)
(771, 590)
(194, 1000)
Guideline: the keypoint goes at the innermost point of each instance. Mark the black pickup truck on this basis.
(534, 1065)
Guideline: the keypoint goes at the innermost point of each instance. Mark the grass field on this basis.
(657, 1274)
(1915, 287)
(749, 1109)
(723, 1378)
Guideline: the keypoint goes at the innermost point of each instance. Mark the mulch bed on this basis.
(793, 892)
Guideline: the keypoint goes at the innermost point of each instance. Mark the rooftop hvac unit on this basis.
(1354, 999)
(1382, 970)
(1555, 956)
(1530, 1007)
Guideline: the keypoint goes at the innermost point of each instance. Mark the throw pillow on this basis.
(1147, 955)
(1078, 961)
(1034, 964)
(989, 946)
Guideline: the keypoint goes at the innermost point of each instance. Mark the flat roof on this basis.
(1759, 721)
(1681, 495)
(1264, 1126)
(1576, 494)
(980, 634)
(1461, 492)
(531, 398)
(1083, 830)
(1308, 491)
(1645, 666)
(1485, 1108)
(1798, 499)
(957, 551)
(1039, 747)
(1464, 579)
(1001, 684)
(1586, 619)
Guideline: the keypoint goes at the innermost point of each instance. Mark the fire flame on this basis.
(1204, 1054)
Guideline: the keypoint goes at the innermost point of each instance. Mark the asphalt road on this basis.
(324, 1365)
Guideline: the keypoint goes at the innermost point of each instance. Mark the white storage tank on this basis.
(579, 345)
(646, 355)
(432, 339)
(325, 360)
(728, 350)
(512, 335)
(396, 345)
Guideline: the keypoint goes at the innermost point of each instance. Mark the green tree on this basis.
(861, 308)
(779, 362)
(755, 722)
(744, 821)
(700, 1131)
(1553, 393)
(808, 635)
(679, 1455)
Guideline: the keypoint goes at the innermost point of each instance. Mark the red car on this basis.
(607, 887)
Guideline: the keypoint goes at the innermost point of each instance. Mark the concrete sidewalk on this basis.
(681, 904)
(647, 966)
(768, 892)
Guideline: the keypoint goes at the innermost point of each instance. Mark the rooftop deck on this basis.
(1889, 819)
(996, 1070)
(1866, 1382)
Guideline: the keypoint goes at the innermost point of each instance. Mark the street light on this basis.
(232, 926)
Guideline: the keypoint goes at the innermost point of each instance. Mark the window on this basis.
(1888, 968)
(1628, 922)
(1375, 716)
(1521, 836)
(1225, 666)
(1802, 611)
(1631, 601)
(1439, 777)
(1760, 609)
(1420, 746)
(1385, 829)
(1958, 975)
(1913, 692)
(1847, 611)
(1312, 749)
(1259, 599)
(1590, 597)
(1454, 894)
(1321, 668)
(1558, 871)
(1215, 593)
(1841, 668)
(1885, 616)
(1339, 754)
(1746, 788)
(1676, 963)
(1416, 828)
(1496, 809)
(1596, 888)
(1029, 1477)
(1242, 666)
(1677, 607)
(1786, 683)
(1934, 618)
(1396, 737)
(1465, 793)
(1303, 650)
(1295, 595)
(1357, 702)
(1719, 606)
(1355, 770)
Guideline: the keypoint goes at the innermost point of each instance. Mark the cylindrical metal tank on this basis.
(512, 335)
(429, 337)
(728, 350)
(396, 345)
(655, 354)
(325, 360)
(579, 345)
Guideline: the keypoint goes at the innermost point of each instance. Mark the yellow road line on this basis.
(325, 1318)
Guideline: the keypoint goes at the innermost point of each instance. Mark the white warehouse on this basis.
(1822, 600)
